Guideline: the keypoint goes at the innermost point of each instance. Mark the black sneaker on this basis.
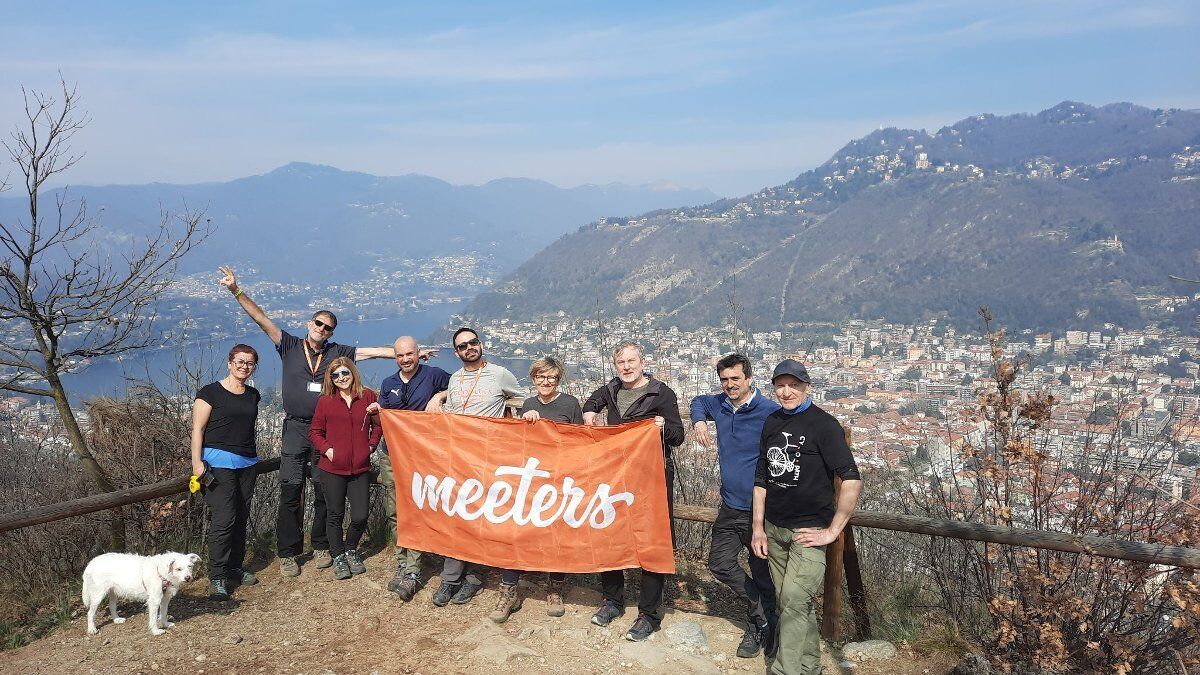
(607, 612)
(355, 562)
(465, 592)
(241, 578)
(444, 593)
(341, 568)
(218, 589)
(752, 640)
(641, 629)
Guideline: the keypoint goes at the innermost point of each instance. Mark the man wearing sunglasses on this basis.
(304, 362)
(482, 389)
(411, 387)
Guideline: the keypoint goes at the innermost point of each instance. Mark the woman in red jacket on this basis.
(344, 434)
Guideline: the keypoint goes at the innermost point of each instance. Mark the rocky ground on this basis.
(313, 624)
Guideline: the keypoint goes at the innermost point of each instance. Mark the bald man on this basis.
(409, 388)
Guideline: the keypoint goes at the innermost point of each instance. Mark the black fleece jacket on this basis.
(658, 401)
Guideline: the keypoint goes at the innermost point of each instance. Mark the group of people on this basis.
(777, 465)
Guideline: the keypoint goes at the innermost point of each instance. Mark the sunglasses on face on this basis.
(469, 343)
(324, 326)
(339, 374)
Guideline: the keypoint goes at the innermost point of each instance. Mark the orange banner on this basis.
(530, 496)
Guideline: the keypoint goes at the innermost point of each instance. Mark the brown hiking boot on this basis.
(554, 599)
(508, 602)
(322, 558)
(288, 566)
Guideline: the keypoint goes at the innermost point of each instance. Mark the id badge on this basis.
(314, 387)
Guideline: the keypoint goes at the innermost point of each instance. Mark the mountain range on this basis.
(306, 221)
(1071, 217)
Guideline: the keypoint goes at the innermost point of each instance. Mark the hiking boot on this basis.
(397, 579)
(242, 578)
(341, 567)
(641, 629)
(607, 612)
(322, 558)
(405, 586)
(465, 592)
(355, 562)
(554, 599)
(752, 640)
(218, 589)
(288, 566)
(444, 593)
(508, 602)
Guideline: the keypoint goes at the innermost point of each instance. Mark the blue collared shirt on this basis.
(739, 433)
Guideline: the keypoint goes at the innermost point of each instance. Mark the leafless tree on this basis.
(63, 298)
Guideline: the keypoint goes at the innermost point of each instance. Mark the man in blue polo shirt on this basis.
(409, 388)
(739, 412)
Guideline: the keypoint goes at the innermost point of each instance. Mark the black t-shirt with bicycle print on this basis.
(799, 455)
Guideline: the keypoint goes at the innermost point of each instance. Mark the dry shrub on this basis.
(1046, 611)
(139, 439)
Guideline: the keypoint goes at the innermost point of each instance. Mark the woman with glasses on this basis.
(223, 447)
(556, 406)
(345, 435)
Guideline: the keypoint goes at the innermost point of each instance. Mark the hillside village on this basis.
(903, 390)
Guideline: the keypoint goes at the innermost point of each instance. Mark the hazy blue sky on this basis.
(728, 95)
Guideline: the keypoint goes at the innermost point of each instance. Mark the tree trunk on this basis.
(90, 466)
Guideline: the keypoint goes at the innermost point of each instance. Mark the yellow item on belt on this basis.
(194, 484)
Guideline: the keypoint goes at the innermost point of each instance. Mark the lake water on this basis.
(111, 377)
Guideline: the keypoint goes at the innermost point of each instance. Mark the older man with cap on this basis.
(795, 512)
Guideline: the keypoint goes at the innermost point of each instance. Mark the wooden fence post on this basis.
(854, 584)
(831, 608)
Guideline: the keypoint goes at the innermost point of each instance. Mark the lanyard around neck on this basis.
(308, 358)
(474, 382)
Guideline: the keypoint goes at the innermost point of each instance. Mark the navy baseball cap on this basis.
(791, 367)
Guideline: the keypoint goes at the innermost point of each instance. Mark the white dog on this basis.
(155, 579)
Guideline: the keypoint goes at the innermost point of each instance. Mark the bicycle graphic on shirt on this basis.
(780, 461)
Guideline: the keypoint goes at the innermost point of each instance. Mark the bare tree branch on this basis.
(65, 294)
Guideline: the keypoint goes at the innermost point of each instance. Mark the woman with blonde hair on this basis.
(548, 404)
(345, 435)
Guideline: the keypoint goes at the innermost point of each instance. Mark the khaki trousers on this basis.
(799, 573)
(408, 560)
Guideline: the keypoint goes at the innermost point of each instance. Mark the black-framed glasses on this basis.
(244, 364)
(324, 326)
(463, 345)
(403, 394)
(339, 374)
(546, 378)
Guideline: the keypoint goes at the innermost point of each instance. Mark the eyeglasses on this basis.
(339, 374)
(328, 327)
(463, 345)
(244, 364)
(546, 378)
(404, 395)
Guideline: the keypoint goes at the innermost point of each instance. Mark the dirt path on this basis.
(313, 624)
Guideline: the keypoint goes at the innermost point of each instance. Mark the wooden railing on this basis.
(841, 556)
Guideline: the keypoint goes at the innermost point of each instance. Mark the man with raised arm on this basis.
(482, 389)
(739, 413)
(795, 512)
(631, 396)
(304, 362)
(411, 387)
